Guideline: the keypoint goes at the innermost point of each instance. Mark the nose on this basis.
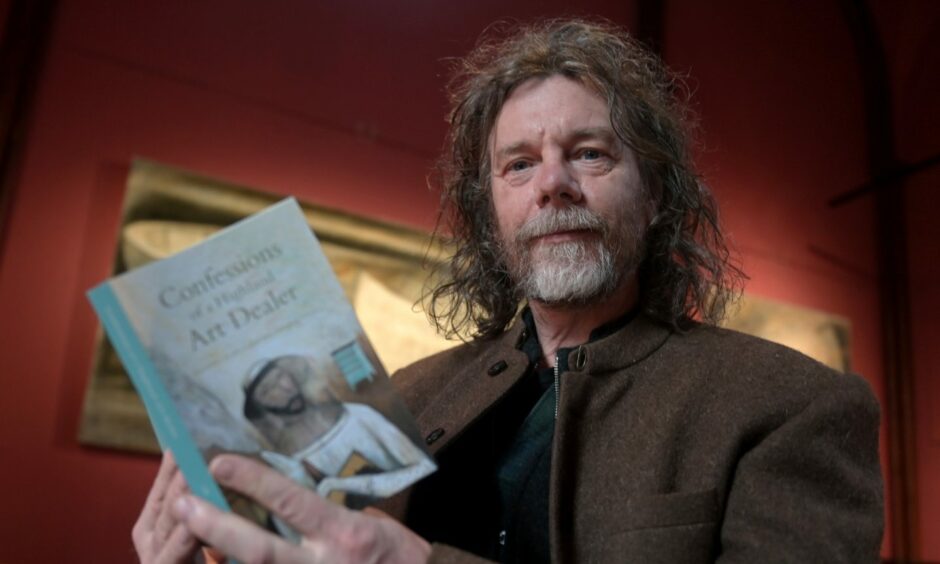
(556, 185)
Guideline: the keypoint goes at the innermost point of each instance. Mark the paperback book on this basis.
(245, 343)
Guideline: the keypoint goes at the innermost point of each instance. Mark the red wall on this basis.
(911, 44)
(344, 106)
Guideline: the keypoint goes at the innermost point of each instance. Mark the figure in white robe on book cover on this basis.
(348, 452)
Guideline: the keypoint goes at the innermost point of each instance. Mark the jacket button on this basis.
(497, 368)
(580, 358)
(434, 435)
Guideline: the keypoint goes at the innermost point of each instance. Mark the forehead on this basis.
(275, 375)
(554, 105)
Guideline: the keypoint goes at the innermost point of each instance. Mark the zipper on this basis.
(557, 386)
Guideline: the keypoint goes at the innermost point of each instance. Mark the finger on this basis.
(212, 555)
(180, 546)
(304, 510)
(148, 516)
(377, 513)
(233, 535)
(166, 521)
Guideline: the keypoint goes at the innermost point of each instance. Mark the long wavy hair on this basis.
(686, 273)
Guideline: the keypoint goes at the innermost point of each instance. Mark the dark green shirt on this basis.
(522, 472)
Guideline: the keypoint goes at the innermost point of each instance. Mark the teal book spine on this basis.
(167, 425)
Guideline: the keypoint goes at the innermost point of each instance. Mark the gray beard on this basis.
(571, 272)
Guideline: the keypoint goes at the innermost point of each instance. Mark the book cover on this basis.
(245, 343)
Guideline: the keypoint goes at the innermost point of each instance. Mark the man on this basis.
(603, 423)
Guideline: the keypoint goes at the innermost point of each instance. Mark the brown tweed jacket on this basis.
(669, 447)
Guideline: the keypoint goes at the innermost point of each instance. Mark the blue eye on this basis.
(518, 166)
(590, 154)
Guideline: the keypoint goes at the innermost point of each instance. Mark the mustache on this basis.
(570, 218)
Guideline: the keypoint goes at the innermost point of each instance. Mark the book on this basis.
(245, 343)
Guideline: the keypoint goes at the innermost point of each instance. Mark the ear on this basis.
(653, 190)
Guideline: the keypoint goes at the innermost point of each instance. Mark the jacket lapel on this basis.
(473, 389)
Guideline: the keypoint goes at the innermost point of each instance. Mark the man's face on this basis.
(569, 201)
(279, 392)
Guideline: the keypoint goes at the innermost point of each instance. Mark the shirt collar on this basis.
(530, 343)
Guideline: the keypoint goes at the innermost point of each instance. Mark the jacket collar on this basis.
(499, 363)
(621, 349)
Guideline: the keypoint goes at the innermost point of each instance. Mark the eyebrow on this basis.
(603, 133)
(510, 150)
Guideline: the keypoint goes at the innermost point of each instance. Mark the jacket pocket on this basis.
(669, 510)
(675, 528)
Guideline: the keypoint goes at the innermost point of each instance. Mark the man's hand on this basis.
(158, 536)
(330, 533)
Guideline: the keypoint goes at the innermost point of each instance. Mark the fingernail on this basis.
(183, 507)
(222, 469)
